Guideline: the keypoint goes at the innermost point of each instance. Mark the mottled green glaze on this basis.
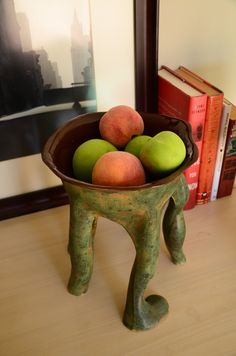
(139, 212)
(138, 209)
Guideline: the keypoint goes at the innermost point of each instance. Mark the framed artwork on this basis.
(45, 83)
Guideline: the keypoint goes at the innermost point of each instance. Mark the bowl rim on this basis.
(52, 141)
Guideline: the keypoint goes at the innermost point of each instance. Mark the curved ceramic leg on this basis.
(143, 313)
(82, 230)
(173, 223)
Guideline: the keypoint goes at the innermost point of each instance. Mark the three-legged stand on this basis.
(139, 212)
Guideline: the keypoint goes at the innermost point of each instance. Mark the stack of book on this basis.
(187, 96)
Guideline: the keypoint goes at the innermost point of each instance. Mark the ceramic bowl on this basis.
(60, 147)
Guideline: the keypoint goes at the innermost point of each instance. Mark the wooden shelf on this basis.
(39, 317)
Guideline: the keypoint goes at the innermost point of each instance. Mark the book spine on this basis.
(220, 148)
(191, 175)
(193, 110)
(228, 171)
(196, 118)
(209, 148)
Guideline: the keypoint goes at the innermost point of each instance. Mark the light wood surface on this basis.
(39, 317)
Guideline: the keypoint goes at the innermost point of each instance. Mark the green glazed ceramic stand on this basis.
(137, 209)
(139, 212)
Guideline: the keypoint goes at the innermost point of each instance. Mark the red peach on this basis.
(118, 168)
(119, 124)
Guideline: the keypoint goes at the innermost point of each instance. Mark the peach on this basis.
(118, 168)
(119, 124)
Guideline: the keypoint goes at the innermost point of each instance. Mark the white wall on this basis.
(201, 35)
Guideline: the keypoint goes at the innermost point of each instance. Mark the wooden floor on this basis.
(39, 317)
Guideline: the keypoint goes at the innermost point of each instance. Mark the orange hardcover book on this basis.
(228, 170)
(178, 99)
(211, 131)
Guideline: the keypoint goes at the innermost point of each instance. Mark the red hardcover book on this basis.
(178, 99)
(211, 131)
(228, 170)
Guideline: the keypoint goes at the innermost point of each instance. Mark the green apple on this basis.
(86, 155)
(163, 153)
(135, 145)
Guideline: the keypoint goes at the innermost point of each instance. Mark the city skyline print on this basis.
(46, 54)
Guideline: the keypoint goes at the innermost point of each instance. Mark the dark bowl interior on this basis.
(60, 147)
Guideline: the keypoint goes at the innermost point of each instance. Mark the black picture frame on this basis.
(146, 14)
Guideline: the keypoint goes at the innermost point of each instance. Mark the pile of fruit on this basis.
(124, 156)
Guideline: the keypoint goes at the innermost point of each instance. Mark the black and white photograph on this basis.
(46, 70)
